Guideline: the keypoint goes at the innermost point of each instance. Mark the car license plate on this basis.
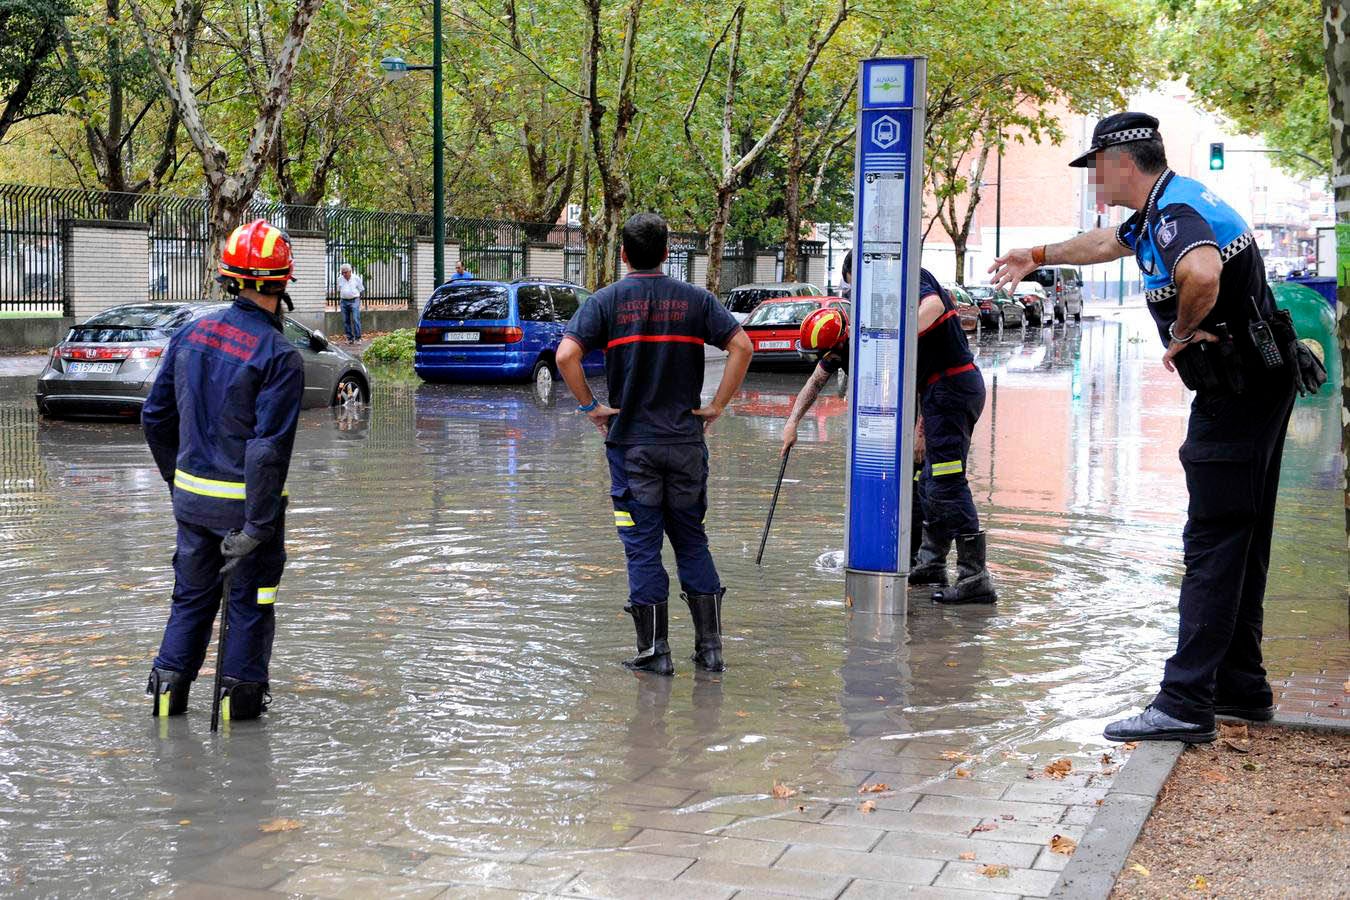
(92, 368)
(774, 345)
(460, 337)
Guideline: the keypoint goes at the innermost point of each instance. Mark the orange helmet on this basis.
(259, 253)
(824, 329)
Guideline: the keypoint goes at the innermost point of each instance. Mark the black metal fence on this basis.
(377, 244)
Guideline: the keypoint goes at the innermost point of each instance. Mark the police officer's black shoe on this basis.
(1155, 725)
(973, 584)
(930, 566)
(170, 690)
(706, 611)
(652, 622)
(242, 700)
(1250, 713)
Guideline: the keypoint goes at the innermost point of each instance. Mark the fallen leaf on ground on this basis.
(1132, 745)
(1238, 746)
(962, 773)
(989, 870)
(1062, 845)
(1107, 759)
(104, 754)
(1140, 870)
(184, 821)
(1214, 776)
(1252, 767)
(782, 791)
(272, 826)
(967, 856)
(951, 664)
(796, 684)
(1200, 883)
(742, 714)
(987, 826)
(1059, 768)
(877, 788)
(1007, 817)
(956, 754)
(1233, 732)
(868, 806)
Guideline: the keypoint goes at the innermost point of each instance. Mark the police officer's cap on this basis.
(1118, 128)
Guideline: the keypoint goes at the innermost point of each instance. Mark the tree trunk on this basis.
(792, 201)
(959, 247)
(1337, 31)
(228, 206)
(717, 238)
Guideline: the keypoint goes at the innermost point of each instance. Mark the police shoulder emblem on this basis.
(1167, 233)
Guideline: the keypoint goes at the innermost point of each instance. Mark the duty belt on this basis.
(1227, 252)
(211, 487)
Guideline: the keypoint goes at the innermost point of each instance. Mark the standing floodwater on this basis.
(448, 694)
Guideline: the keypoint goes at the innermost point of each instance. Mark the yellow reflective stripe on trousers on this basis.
(208, 487)
(947, 468)
(623, 519)
(267, 595)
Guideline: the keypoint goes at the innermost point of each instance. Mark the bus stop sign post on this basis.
(888, 198)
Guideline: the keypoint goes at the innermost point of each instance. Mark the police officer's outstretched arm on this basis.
(1098, 245)
(159, 417)
(267, 455)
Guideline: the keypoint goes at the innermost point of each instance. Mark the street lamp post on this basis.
(395, 67)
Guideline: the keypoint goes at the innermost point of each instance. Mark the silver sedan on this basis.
(106, 365)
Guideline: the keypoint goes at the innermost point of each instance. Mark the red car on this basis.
(774, 328)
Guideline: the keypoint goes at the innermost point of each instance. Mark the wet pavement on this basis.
(450, 718)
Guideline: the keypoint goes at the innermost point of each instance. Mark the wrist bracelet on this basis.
(1038, 255)
(1172, 333)
(588, 407)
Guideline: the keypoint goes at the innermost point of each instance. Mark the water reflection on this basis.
(446, 670)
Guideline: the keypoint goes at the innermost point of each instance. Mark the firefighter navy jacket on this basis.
(221, 417)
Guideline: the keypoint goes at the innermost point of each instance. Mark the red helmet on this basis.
(258, 253)
(824, 329)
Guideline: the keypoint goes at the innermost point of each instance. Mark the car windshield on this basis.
(468, 301)
(745, 300)
(781, 313)
(982, 292)
(131, 323)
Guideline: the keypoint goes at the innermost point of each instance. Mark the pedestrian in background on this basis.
(652, 328)
(1207, 293)
(350, 288)
(461, 273)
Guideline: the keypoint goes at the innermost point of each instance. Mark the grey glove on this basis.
(1309, 372)
(235, 547)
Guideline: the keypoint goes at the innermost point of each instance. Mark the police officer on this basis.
(652, 328)
(951, 398)
(1206, 289)
(220, 421)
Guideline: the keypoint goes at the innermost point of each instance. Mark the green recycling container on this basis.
(1314, 321)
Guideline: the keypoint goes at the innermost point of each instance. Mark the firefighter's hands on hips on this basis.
(709, 414)
(600, 417)
(235, 547)
(1174, 347)
(789, 438)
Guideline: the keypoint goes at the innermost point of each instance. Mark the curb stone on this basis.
(1101, 854)
(1092, 870)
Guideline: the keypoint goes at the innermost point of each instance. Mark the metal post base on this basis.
(869, 592)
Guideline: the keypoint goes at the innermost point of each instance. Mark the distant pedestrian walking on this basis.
(461, 273)
(350, 288)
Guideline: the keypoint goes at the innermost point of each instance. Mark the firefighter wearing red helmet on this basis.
(951, 398)
(220, 422)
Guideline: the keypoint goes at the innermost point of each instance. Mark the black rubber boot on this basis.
(242, 700)
(930, 567)
(706, 611)
(170, 690)
(653, 639)
(973, 584)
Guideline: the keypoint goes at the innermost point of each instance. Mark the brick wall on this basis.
(545, 261)
(309, 292)
(104, 264)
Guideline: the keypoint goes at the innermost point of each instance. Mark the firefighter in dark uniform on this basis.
(652, 328)
(951, 398)
(1206, 288)
(220, 421)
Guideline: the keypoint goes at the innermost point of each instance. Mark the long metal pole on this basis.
(998, 201)
(438, 149)
(773, 504)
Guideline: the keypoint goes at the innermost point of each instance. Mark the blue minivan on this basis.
(497, 331)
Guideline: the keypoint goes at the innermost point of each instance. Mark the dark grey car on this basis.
(106, 365)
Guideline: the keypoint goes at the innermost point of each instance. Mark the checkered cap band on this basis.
(1126, 136)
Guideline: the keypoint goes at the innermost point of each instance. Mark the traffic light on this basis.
(1216, 156)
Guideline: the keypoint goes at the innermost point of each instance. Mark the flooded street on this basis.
(448, 701)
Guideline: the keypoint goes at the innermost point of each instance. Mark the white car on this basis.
(1037, 304)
